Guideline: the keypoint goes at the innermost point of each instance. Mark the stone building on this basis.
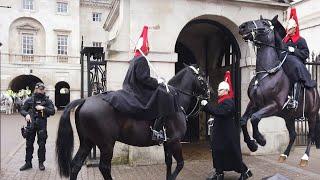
(41, 41)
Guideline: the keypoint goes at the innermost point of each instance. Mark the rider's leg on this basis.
(157, 132)
(296, 94)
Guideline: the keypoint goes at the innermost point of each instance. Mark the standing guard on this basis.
(225, 141)
(36, 110)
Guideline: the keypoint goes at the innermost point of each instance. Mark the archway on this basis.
(62, 94)
(211, 45)
(24, 81)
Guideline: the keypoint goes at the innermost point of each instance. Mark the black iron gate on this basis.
(302, 128)
(96, 81)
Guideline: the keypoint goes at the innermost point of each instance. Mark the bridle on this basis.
(196, 108)
(264, 31)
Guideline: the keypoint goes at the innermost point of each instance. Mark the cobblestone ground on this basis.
(197, 166)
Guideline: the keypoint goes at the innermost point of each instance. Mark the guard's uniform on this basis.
(141, 96)
(294, 65)
(38, 125)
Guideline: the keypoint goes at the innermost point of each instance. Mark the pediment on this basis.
(27, 26)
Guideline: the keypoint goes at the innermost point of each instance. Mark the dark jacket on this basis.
(294, 65)
(141, 95)
(30, 104)
(225, 137)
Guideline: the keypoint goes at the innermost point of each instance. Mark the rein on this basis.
(194, 112)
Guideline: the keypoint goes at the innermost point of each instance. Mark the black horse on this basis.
(98, 123)
(268, 90)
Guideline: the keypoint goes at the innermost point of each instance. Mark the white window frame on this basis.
(60, 7)
(62, 44)
(28, 5)
(96, 17)
(26, 48)
(96, 44)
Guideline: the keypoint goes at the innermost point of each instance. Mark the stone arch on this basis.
(27, 25)
(62, 94)
(23, 81)
(212, 42)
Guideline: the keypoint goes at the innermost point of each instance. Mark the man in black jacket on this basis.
(36, 110)
(294, 65)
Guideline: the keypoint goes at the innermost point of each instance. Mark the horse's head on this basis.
(260, 30)
(200, 84)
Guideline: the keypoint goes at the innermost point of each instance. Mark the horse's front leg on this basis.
(267, 111)
(251, 143)
(168, 158)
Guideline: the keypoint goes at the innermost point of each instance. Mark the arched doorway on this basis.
(62, 94)
(24, 81)
(212, 46)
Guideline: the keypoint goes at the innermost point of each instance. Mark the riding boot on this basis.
(157, 132)
(296, 94)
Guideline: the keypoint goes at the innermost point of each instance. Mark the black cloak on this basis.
(294, 65)
(141, 96)
(225, 134)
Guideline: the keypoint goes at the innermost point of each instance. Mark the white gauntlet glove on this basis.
(204, 102)
(290, 49)
(160, 80)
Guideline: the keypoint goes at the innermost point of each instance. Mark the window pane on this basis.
(62, 7)
(27, 43)
(28, 4)
(62, 45)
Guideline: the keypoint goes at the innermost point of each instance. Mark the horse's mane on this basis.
(178, 77)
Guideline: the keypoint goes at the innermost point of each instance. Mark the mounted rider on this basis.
(142, 96)
(298, 52)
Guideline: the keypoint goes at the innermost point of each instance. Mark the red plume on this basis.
(227, 78)
(294, 38)
(142, 43)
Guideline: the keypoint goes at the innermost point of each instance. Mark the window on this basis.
(96, 44)
(28, 4)
(96, 16)
(27, 44)
(62, 44)
(62, 7)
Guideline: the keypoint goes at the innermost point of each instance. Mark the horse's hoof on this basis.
(303, 163)
(282, 158)
(252, 145)
(304, 160)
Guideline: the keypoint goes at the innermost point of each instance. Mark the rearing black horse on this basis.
(268, 90)
(98, 123)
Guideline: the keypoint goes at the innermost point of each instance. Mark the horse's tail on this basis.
(317, 132)
(64, 142)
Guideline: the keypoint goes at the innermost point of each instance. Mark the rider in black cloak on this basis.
(142, 96)
(294, 65)
(226, 151)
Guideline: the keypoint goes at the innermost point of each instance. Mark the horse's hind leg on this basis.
(106, 153)
(168, 159)
(290, 124)
(176, 150)
(77, 161)
(312, 125)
